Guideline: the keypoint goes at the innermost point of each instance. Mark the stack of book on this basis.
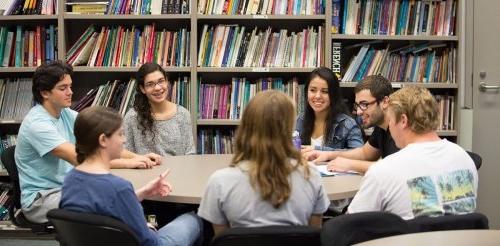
(394, 17)
(117, 94)
(6, 141)
(29, 47)
(127, 7)
(87, 6)
(16, 98)
(215, 141)
(126, 47)
(423, 62)
(5, 202)
(228, 101)
(235, 46)
(447, 111)
(120, 94)
(261, 7)
(28, 7)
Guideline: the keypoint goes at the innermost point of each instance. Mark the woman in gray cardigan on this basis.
(155, 124)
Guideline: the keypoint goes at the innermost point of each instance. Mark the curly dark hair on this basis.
(46, 77)
(337, 105)
(141, 102)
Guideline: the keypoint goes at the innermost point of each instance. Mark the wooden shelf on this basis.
(17, 69)
(6, 121)
(125, 69)
(69, 16)
(395, 37)
(260, 17)
(27, 17)
(217, 122)
(430, 85)
(254, 70)
(442, 133)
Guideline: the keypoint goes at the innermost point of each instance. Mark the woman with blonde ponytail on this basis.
(268, 182)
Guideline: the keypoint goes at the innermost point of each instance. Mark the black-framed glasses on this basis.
(152, 84)
(363, 105)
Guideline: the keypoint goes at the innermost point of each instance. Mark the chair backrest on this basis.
(449, 222)
(478, 161)
(18, 218)
(79, 229)
(354, 228)
(10, 164)
(269, 236)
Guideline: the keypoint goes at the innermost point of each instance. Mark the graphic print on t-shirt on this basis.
(453, 194)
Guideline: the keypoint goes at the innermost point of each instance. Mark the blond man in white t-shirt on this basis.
(429, 176)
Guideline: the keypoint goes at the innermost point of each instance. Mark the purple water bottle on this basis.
(296, 140)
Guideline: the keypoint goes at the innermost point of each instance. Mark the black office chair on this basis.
(83, 229)
(16, 215)
(478, 161)
(355, 228)
(472, 221)
(269, 236)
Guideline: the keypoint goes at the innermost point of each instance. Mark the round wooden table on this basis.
(456, 238)
(189, 176)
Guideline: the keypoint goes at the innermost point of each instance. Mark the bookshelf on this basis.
(71, 26)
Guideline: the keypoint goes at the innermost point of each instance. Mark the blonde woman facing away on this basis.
(268, 182)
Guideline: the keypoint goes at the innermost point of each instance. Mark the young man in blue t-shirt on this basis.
(45, 149)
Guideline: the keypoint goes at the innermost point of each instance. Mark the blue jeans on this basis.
(184, 230)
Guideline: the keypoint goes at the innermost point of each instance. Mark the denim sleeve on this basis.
(354, 135)
(347, 135)
(299, 124)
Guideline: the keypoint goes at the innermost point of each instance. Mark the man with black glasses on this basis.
(372, 99)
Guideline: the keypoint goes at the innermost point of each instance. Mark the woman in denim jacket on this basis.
(325, 123)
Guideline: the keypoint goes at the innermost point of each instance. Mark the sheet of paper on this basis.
(324, 172)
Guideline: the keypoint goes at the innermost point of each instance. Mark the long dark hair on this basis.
(89, 125)
(337, 105)
(141, 102)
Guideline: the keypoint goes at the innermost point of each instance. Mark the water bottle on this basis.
(296, 140)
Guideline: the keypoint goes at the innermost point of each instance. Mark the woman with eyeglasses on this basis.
(326, 123)
(156, 124)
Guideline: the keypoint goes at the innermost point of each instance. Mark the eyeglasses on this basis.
(363, 105)
(152, 84)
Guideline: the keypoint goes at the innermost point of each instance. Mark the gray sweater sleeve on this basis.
(129, 122)
(187, 131)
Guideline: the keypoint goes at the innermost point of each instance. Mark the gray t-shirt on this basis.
(229, 199)
(173, 136)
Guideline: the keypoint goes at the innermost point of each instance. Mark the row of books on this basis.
(261, 7)
(114, 94)
(124, 47)
(5, 204)
(235, 46)
(447, 112)
(394, 17)
(228, 101)
(120, 94)
(414, 63)
(134, 7)
(16, 98)
(6, 141)
(27, 47)
(28, 7)
(215, 141)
